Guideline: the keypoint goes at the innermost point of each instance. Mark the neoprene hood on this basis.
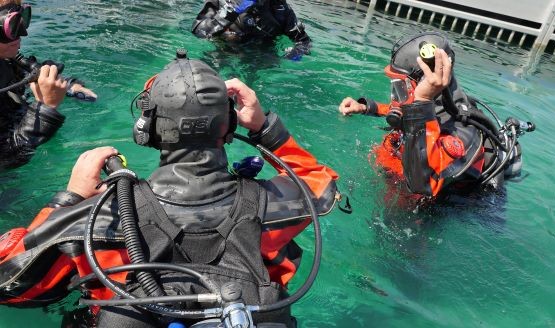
(191, 105)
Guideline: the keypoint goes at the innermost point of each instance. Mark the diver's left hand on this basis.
(434, 82)
(249, 111)
(85, 175)
(297, 52)
(80, 92)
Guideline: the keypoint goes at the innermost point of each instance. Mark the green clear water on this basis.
(486, 262)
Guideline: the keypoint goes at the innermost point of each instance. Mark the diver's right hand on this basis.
(350, 106)
(434, 81)
(50, 89)
(85, 175)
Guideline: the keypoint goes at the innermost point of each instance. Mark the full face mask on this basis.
(403, 69)
(402, 87)
(14, 21)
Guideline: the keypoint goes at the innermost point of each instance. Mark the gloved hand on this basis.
(77, 89)
(244, 6)
(296, 53)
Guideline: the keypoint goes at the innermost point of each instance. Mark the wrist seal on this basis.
(371, 106)
(65, 198)
(273, 133)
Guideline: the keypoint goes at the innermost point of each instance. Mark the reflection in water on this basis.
(246, 60)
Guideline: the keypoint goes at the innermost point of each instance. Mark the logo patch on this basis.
(195, 125)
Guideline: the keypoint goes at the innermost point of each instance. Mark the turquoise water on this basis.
(484, 262)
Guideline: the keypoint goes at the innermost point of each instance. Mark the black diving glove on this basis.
(296, 53)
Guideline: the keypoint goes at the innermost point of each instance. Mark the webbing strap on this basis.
(150, 210)
(248, 202)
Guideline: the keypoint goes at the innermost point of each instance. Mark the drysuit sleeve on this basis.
(427, 151)
(38, 263)
(30, 283)
(293, 29)
(36, 127)
(209, 22)
(374, 108)
(281, 254)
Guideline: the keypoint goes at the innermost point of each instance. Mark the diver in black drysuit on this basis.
(245, 20)
(191, 210)
(23, 126)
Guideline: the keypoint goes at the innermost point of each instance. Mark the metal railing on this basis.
(530, 24)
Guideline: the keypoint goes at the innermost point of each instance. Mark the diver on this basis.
(24, 126)
(440, 142)
(247, 20)
(192, 210)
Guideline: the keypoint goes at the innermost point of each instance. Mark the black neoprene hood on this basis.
(191, 104)
(405, 52)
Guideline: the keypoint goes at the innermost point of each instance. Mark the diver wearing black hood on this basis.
(229, 227)
(440, 140)
(245, 20)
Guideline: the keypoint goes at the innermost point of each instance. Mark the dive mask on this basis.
(402, 87)
(14, 21)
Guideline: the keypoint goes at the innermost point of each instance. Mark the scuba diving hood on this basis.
(190, 106)
(190, 119)
(405, 51)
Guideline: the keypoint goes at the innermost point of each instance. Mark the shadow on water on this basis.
(408, 224)
(246, 60)
(9, 195)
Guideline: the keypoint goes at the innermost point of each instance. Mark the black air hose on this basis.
(132, 238)
(473, 117)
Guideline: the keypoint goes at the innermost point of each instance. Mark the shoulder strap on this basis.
(149, 210)
(250, 202)
(252, 199)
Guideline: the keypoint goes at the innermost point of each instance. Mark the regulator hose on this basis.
(474, 117)
(131, 236)
(317, 231)
(24, 81)
(101, 276)
(503, 163)
(32, 67)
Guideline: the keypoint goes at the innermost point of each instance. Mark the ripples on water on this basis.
(484, 261)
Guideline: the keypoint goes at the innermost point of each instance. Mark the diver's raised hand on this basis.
(434, 82)
(85, 175)
(350, 106)
(50, 89)
(249, 112)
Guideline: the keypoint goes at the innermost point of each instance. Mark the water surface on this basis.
(483, 262)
